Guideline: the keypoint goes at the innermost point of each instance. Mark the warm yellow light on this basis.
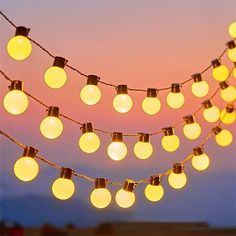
(228, 94)
(200, 162)
(227, 117)
(154, 193)
(175, 100)
(90, 94)
(117, 151)
(232, 30)
(211, 114)
(220, 73)
(89, 142)
(224, 138)
(177, 181)
(63, 188)
(26, 168)
(151, 105)
(100, 197)
(143, 150)
(200, 89)
(170, 143)
(234, 72)
(122, 103)
(125, 199)
(232, 54)
(15, 102)
(192, 131)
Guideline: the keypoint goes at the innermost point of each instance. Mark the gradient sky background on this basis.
(139, 43)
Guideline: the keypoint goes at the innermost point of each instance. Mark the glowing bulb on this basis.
(151, 104)
(200, 160)
(89, 142)
(19, 47)
(63, 188)
(191, 129)
(117, 150)
(170, 142)
(55, 76)
(26, 168)
(90, 93)
(232, 50)
(223, 137)
(100, 196)
(228, 92)
(177, 178)
(122, 101)
(175, 99)
(228, 115)
(234, 70)
(51, 126)
(232, 30)
(125, 197)
(16, 101)
(210, 113)
(219, 72)
(154, 192)
(143, 148)
(200, 88)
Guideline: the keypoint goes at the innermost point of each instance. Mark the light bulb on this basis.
(55, 77)
(170, 142)
(175, 99)
(191, 129)
(19, 47)
(231, 50)
(63, 188)
(117, 150)
(228, 92)
(200, 160)
(90, 93)
(232, 30)
(125, 197)
(223, 137)
(100, 196)
(210, 113)
(154, 192)
(200, 88)
(16, 101)
(219, 72)
(26, 167)
(143, 148)
(51, 126)
(151, 104)
(89, 142)
(234, 70)
(122, 101)
(177, 178)
(228, 115)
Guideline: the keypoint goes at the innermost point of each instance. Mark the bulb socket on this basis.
(129, 185)
(178, 168)
(231, 44)
(53, 111)
(197, 77)
(142, 137)
(207, 104)
(59, 62)
(234, 64)
(168, 131)
(175, 88)
(229, 108)
(16, 85)
(92, 79)
(21, 30)
(216, 130)
(197, 151)
(224, 85)
(215, 63)
(29, 152)
(151, 92)
(117, 137)
(155, 180)
(101, 183)
(189, 119)
(87, 127)
(122, 89)
(66, 173)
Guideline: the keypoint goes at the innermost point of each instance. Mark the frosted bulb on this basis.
(154, 193)
(90, 94)
(200, 162)
(143, 150)
(100, 197)
(89, 142)
(232, 54)
(224, 138)
(175, 100)
(192, 131)
(211, 114)
(124, 198)
(227, 117)
(151, 105)
(232, 30)
(117, 151)
(170, 143)
(220, 73)
(122, 103)
(63, 188)
(177, 181)
(200, 89)
(228, 94)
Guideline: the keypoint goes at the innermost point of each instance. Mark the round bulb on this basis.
(26, 168)
(177, 181)
(151, 105)
(200, 162)
(226, 117)
(51, 127)
(117, 151)
(175, 100)
(232, 30)
(63, 188)
(170, 143)
(19, 47)
(220, 73)
(122, 103)
(232, 54)
(90, 94)
(143, 150)
(89, 142)
(55, 77)
(200, 89)
(211, 114)
(124, 198)
(234, 72)
(228, 94)
(15, 102)
(154, 193)
(224, 138)
(192, 131)
(100, 197)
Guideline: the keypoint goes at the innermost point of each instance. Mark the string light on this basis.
(219, 72)
(55, 76)
(89, 142)
(51, 126)
(175, 99)
(223, 137)
(19, 47)
(170, 142)
(191, 129)
(177, 178)
(234, 70)
(228, 92)
(232, 50)
(100, 196)
(15, 101)
(151, 104)
(211, 113)
(143, 148)
(232, 30)
(200, 160)
(63, 188)
(228, 115)
(200, 88)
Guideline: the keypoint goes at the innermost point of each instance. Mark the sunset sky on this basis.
(139, 43)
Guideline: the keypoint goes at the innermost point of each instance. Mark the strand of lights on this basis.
(55, 76)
